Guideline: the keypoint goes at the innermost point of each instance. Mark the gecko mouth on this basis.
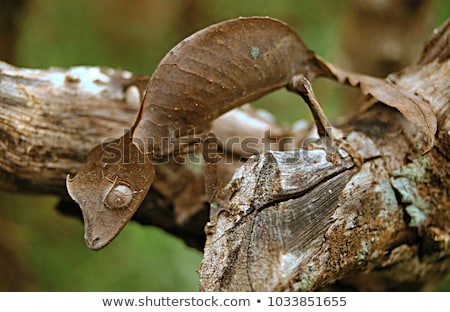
(95, 242)
(101, 228)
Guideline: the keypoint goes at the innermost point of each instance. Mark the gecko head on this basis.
(110, 188)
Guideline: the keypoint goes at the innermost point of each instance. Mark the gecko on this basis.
(207, 74)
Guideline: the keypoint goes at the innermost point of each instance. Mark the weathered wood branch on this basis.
(295, 221)
(287, 220)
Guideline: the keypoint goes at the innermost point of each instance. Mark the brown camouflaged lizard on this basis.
(209, 73)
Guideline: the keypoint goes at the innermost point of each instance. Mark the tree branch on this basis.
(294, 221)
(286, 220)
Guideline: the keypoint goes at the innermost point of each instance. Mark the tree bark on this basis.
(287, 220)
(295, 221)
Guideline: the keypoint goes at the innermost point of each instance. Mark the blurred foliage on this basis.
(52, 250)
(41, 250)
(137, 36)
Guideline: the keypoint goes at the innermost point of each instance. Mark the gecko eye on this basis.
(119, 197)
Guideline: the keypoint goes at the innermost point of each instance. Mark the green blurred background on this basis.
(41, 250)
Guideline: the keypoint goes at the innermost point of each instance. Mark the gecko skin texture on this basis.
(207, 74)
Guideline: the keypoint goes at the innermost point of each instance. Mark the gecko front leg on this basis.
(302, 86)
(211, 158)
